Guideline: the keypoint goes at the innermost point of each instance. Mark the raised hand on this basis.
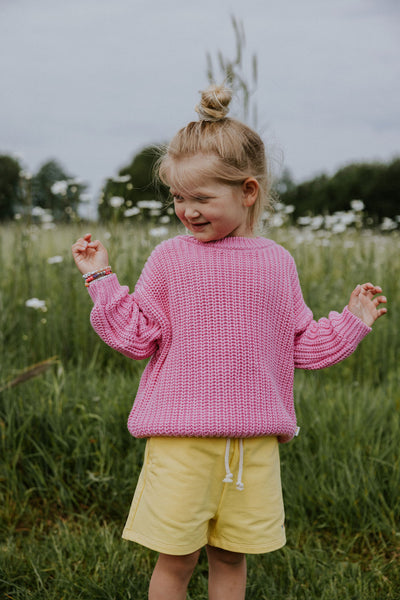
(88, 255)
(364, 303)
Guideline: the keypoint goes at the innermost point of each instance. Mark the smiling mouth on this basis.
(198, 225)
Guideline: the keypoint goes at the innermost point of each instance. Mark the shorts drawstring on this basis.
(228, 475)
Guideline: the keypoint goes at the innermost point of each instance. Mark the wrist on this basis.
(96, 274)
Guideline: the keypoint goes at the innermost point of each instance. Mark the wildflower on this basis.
(38, 211)
(132, 212)
(48, 226)
(317, 222)
(54, 260)
(158, 231)
(47, 218)
(388, 224)
(150, 204)
(116, 201)
(289, 209)
(121, 179)
(60, 187)
(165, 219)
(339, 228)
(357, 205)
(277, 221)
(304, 220)
(36, 304)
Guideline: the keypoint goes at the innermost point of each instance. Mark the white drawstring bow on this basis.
(228, 475)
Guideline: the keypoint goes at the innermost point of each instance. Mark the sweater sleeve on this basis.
(322, 343)
(133, 324)
(118, 320)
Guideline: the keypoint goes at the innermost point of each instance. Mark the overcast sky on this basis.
(90, 82)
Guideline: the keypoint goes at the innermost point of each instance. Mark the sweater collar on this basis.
(230, 242)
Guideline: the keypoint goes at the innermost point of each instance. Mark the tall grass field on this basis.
(69, 466)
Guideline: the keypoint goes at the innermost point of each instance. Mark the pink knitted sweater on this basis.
(224, 324)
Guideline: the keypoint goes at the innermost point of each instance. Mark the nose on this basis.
(191, 213)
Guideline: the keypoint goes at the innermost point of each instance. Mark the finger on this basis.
(356, 292)
(80, 245)
(379, 300)
(368, 289)
(380, 313)
(95, 245)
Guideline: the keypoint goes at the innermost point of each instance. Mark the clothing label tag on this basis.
(297, 431)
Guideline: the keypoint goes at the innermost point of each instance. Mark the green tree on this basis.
(10, 191)
(376, 184)
(135, 183)
(53, 189)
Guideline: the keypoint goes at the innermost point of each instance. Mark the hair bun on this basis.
(214, 103)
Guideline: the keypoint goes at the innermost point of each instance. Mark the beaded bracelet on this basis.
(86, 275)
(99, 274)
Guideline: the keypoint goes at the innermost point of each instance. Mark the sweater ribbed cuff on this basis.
(104, 289)
(351, 328)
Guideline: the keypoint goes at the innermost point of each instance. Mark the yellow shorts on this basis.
(182, 503)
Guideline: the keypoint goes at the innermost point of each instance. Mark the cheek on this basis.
(180, 213)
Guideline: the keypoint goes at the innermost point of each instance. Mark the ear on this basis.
(250, 189)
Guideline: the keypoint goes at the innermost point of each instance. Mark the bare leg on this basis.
(171, 576)
(227, 574)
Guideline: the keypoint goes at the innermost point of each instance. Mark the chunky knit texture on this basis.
(225, 325)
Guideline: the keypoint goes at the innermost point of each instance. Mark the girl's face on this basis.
(212, 210)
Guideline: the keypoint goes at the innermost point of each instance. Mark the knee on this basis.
(218, 555)
(181, 565)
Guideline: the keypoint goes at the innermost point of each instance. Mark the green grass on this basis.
(68, 465)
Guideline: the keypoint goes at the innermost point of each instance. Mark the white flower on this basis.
(276, 221)
(289, 209)
(121, 179)
(304, 220)
(357, 205)
(49, 226)
(47, 218)
(339, 228)
(317, 222)
(388, 224)
(116, 201)
(150, 204)
(38, 211)
(159, 231)
(59, 187)
(36, 304)
(53, 260)
(131, 212)
(165, 219)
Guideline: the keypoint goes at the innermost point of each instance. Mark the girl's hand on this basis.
(364, 303)
(88, 255)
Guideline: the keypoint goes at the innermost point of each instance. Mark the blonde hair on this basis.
(239, 150)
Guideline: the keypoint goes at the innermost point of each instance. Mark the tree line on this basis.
(135, 191)
(376, 184)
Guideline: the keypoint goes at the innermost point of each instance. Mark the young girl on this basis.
(221, 315)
